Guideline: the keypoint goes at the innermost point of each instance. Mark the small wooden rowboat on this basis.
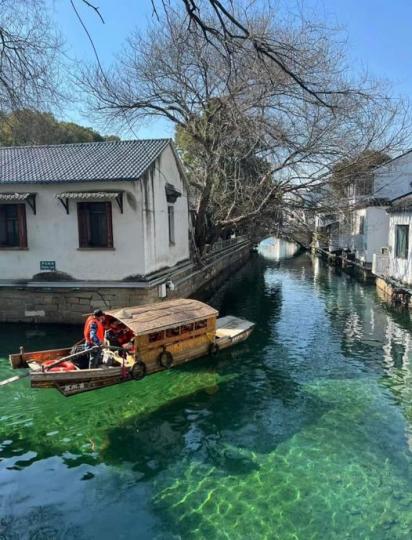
(164, 335)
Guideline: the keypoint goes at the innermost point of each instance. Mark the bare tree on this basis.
(28, 56)
(235, 105)
(218, 20)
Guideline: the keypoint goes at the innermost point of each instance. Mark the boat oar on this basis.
(71, 356)
(13, 379)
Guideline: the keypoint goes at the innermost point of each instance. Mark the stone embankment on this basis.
(68, 302)
(361, 271)
(393, 292)
(389, 290)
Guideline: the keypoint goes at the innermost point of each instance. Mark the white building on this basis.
(92, 211)
(393, 266)
(361, 226)
(369, 230)
(400, 249)
(370, 219)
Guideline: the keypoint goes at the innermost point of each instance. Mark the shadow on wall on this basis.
(53, 276)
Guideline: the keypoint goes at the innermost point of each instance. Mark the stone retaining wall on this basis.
(393, 294)
(69, 304)
(355, 268)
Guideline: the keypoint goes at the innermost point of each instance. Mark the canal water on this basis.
(302, 432)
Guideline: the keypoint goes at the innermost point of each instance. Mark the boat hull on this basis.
(82, 380)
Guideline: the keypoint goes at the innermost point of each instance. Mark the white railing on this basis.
(221, 245)
(380, 265)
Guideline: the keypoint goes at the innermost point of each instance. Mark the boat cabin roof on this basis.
(162, 315)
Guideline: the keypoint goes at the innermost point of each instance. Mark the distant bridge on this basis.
(289, 232)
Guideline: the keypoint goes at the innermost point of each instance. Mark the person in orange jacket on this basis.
(94, 335)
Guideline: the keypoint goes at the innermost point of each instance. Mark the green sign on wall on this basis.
(49, 266)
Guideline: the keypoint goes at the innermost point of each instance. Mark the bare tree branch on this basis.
(29, 54)
(253, 139)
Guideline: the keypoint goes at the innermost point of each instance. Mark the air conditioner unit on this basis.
(385, 250)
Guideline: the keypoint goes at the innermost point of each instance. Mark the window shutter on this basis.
(171, 219)
(22, 225)
(109, 225)
(83, 228)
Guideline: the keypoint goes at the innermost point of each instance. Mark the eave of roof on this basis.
(401, 203)
(79, 162)
(404, 205)
(372, 201)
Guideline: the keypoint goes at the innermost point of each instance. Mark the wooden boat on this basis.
(163, 335)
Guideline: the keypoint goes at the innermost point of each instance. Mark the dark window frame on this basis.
(201, 324)
(18, 222)
(401, 251)
(89, 214)
(187, 328)
(173, 332)
(361, 224)
(156, 336)
(171, 224)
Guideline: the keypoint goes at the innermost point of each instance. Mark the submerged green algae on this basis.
(323, 482)
(47, 421)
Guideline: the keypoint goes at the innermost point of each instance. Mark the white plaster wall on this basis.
(159, 253)
(358, 242)
(377, 230)
(345, 231)
(53, 236)
(334, 237)
(394, 179)
(400, 269)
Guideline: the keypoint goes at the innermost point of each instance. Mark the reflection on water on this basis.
(275, 249)
(304, 431)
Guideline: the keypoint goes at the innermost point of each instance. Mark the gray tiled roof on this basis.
(401, 204)
(82, 162)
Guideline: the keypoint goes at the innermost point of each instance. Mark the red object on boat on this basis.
(64, 366)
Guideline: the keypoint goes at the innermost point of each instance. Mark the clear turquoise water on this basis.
(303, 432)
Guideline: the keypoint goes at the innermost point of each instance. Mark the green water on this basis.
(303, 432)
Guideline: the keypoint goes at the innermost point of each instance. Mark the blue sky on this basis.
(378, 36)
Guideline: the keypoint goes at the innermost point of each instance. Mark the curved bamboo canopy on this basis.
(162, 315)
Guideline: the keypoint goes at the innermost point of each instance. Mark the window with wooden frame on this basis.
(171, 221)
(186, 328)
(172, 332)
(401, 241)
(362, 225)
(156, 336)
(13, 229)
(200, 324)
(95, 224)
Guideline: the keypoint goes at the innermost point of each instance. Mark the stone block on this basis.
(77, 308)
(84, 301)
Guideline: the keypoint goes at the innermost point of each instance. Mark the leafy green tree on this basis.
(24, 127)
